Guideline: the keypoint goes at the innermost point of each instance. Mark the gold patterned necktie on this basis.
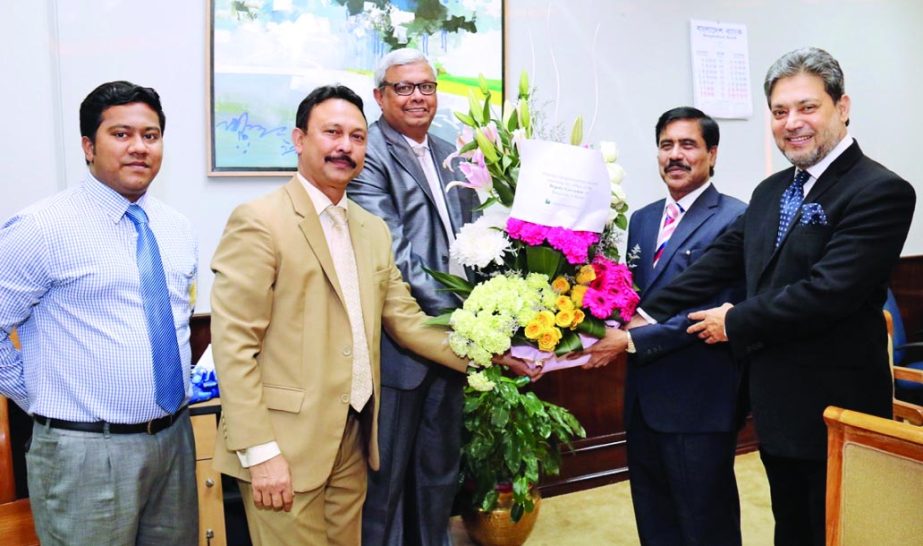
(341, 250)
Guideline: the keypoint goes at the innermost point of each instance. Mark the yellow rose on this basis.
(586, 275)
(564, 318)
(578, 318)
(577, 295)
(534, 329)
(563, 303)
(549, 339)
(560, 285)
(545, 318)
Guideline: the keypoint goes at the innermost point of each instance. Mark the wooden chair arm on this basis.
(908, 413)
(908, 374)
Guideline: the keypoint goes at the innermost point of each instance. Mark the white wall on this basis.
(629, 58)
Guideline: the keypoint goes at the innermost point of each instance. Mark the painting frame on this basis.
(232, 134)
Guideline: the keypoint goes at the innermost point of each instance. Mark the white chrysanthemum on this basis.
(479, 244)
(479, 382)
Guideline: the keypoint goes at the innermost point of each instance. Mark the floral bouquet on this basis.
(545, 250)
(547, 282)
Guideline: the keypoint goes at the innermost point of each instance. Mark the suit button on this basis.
(445, 259)
(344, 398)
(347, 351)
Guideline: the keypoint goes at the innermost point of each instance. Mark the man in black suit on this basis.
(681, 395)
(816, 266)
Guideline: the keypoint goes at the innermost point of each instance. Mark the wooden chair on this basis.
(16, 526)
(904, 411)
(874, 477)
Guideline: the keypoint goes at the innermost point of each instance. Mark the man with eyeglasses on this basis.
(410, 497)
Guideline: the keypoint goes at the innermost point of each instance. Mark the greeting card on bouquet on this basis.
(560, 185)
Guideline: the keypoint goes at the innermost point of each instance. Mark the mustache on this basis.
(341, 158)
(679, 164)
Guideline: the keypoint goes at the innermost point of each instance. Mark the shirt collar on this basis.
(112, 202)
(818, 168)
(414, 144)
(689, 199)
(318, 198)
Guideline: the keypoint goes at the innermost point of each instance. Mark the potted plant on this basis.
(512, 439)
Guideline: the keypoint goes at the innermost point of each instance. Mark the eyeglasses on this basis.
(406, 88)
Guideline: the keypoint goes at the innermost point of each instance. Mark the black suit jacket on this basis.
(681, 384)
(811, 324)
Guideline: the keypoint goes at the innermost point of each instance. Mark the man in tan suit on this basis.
(304, 283)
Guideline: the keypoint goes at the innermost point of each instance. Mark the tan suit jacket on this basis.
(281, 336)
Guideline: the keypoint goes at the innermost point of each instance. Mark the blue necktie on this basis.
(168, 369)
(791, 200)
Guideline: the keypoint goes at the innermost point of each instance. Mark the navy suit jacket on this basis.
(392, 186)
(811, 324)
(682, 384)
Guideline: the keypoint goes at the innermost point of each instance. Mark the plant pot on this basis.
(496, 528)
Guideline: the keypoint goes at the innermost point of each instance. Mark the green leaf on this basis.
(504, 193)
(621, 221)
(592, 326)
(490, 201)
(576, 134)
(570, 342)
(500, 416)
(466, 119)
(516, 512)
(468, 147)
(490, 500)
(440, 320)
(453, 283)
(542, 259)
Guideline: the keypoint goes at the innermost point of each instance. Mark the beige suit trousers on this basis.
(328, 515)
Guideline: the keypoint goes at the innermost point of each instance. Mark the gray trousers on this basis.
(120, 489)
(409, 499)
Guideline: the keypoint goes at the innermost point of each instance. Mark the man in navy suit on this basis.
(815, 248)
(410, 497)
(681, 395)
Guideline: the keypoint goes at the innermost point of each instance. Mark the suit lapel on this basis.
(313, 232)
(701, 210)
(823, 184)
(648, 225)
(402, 154)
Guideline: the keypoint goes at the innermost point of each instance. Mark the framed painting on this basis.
(265, 56)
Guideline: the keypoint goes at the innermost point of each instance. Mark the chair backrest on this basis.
(874, 472)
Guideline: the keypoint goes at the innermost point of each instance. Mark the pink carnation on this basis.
(527, 232)
(575, 245)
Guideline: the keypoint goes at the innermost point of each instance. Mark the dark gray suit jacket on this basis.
(392, 185)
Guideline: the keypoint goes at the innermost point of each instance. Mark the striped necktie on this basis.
(670, 220)
(169, 389)
(791, 199)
